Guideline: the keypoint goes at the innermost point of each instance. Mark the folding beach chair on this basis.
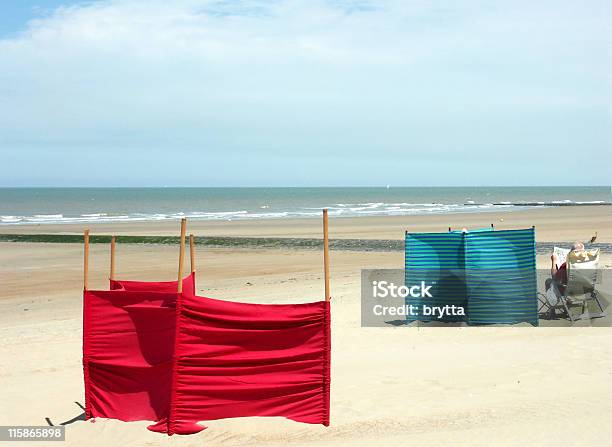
(582, 277)
(550, 301)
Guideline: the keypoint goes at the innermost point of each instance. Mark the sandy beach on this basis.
(423, 386)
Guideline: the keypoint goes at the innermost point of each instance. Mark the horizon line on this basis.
(296, 187)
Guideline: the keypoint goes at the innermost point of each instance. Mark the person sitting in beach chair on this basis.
(555, 285)
(573, 279)
(558, 268)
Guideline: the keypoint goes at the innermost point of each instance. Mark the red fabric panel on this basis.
(128, 345)
(236, 359)
(155, 286)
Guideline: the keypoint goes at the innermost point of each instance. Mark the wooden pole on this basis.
(326, 254)
(86, 259)
(181, 255)
(192, 253)
(112, 258)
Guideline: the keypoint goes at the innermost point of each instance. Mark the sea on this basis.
(75, 205)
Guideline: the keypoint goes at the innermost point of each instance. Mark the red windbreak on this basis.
(128, 344)
(155, 286)
(223, 359)
(237, 359)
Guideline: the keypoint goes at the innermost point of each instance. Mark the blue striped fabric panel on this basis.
(501, 277)
(437, 259)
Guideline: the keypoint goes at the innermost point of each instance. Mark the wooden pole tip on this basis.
(181, 255)
(86, 259)
(326, 255)
(192, 252)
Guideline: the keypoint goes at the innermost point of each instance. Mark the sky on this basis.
(305, 93)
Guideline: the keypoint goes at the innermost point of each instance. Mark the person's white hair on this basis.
(577, 246)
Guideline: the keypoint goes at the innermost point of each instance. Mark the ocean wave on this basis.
(48, 216)
(263, 212)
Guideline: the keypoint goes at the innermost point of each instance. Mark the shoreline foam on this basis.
(337, 210)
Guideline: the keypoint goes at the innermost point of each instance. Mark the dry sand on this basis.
(404, 385)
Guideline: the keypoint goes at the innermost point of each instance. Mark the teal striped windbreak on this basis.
(437, 259)
(501, 277)
(489, 272)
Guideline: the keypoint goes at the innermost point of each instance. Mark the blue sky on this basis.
(16, 13)
(305, 93)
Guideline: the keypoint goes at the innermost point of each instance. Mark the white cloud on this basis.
(343, 77)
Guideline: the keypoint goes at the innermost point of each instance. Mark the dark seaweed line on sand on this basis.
(380, 245)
